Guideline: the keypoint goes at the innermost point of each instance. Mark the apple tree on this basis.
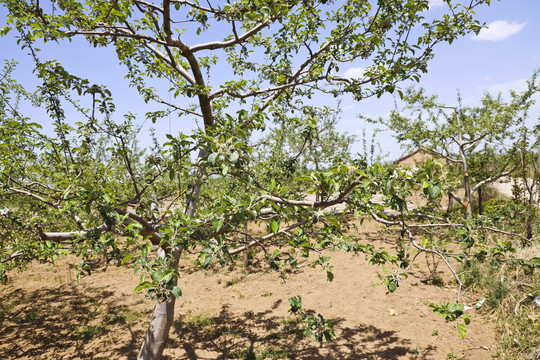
(230, 68)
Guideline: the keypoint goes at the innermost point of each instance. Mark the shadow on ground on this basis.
(66, 322)
(254, 336)
(77, 323)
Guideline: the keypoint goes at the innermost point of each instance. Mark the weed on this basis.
(508, 292)
(234, 281)
(132, 316)
(31, 317)
(115, 318)
(6, 307)
(197, 321)
(90, 331)
(268, 353)
(250, 315)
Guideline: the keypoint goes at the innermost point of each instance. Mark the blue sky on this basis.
(501, 58)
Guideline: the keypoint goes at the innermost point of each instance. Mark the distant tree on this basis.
(256, 57)
(305, 145)
(464, 135)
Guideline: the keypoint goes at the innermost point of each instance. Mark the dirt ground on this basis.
(231, 313)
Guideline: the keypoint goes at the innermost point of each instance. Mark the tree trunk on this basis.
(480, 209)
(158, 332)
(450, 206)
(468, 195)
(531, 218)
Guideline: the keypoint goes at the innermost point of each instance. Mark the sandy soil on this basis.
(226, 313)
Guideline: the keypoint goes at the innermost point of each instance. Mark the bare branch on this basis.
(415, 244)
(150, 5)
(258, 92)
(198, 7)
(77, 219)
(118, 33)
(237, 40)
(492, 179)
(268, 236)
(179, 108)
(71, 235)
(175, 65)
(313, 204)
(37, 197)
(438, 153)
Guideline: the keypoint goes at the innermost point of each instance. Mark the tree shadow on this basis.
(263, 335)
(69, 322)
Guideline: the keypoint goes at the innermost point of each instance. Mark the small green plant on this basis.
(453, 312)
(316, 325)
(234, 281)
(268, 353)
(508, 289)
(90, 331)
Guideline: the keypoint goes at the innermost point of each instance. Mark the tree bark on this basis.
(480, 204)
(468, 192)
(158, 332)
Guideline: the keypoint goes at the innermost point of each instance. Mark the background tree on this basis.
(301, 146)
(279, 54)
(456, 134)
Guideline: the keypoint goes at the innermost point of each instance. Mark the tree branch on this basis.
(268, 236)
(313, 204)
(415, 244)
(237, 40)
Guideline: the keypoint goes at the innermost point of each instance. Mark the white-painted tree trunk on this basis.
(162, 318)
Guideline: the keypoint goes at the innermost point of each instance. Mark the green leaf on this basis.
(177, 292)
(462, 330)
(5, 30)
(234, 157)
(275, 226)
(329, 276)
(392, 287)
(329, 335)
(143, 285)
(206, 260)
(127, 258)
(218, 224)
(434, 191)
(296, 303)
(212, 158)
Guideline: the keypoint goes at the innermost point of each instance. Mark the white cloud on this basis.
(504, 88)
(435, 3)
(499, 30)
(354, 72)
